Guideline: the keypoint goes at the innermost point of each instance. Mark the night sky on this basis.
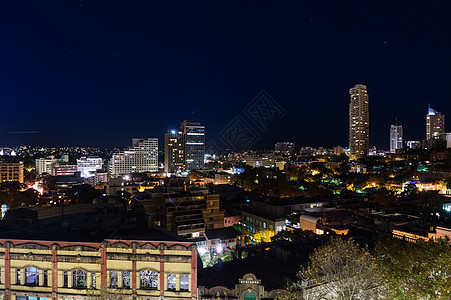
(97, 73)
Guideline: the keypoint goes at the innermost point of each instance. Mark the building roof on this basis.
(226, 233)
(90, 227)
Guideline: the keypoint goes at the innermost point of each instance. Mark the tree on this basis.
(83, 193)
(11, 186)
(420, 270)
(340, 269)
(448, 183)
(11, 193)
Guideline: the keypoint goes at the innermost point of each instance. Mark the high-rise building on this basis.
(11, 172)
(359, 123)
(141, 157)
(174, 151)
(45, 165)
(87, 166)
(194, 134)
(435, 124)
(395, 138)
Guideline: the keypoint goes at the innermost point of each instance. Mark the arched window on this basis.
(148, 279)
(32, 276)
(79, 279)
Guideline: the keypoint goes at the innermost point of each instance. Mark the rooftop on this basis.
(226, 233)
(92, 227)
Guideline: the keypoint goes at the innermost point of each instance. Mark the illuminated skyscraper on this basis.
(435, 124)
(140, 158)
(395, 138)
(194, 134)
(174, 151)
(359, 128)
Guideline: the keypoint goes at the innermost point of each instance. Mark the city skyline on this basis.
(116, 56)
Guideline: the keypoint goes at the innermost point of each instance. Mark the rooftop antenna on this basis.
(396, 121)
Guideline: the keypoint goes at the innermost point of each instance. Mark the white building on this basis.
(395, 138)
(140, 158)
(45, 165)
(87, 166)
(447, 137)
(414, 144)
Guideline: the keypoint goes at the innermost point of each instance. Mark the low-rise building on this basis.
(259, 227)
(92, 257)
(225, 238)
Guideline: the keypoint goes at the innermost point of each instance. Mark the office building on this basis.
(359, 129)
(395, 138)
(435, 124)
(140, 158)
(174, 151)
(64, 170)
(194, 134)
(11, 172)
(87, 166)
(185, 210)
(47, 165)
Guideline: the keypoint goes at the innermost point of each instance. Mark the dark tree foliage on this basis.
(83, 193)
(420, 270)
(13, 194)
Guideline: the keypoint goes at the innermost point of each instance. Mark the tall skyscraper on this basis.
(174, 151)
(194, 134)
(141, 157)
(435, 124)
(395, 137)
(359, 123)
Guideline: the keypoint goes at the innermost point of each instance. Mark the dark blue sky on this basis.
(97, 73)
